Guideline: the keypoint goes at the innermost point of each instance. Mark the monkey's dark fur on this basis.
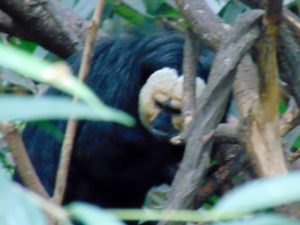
(112, 165)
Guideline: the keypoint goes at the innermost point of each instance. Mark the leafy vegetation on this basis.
(249, 204)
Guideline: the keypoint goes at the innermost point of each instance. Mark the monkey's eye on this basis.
(167, 107)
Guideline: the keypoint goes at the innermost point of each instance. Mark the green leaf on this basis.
(91, 215)
(264, 219)
(50, 129)
(260, 194)
(16, 207)
(153, 5)
(49, 107)
(282, 107)
(23, 44)
(297, 142)
(129, 13)
(57, 75)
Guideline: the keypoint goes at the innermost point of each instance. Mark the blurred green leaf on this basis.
(16, 207)
(153, 5)
(156, 215)
(91, 215)
(23, 44)
(282, 107)
(49, 107)
(129, 13)
(169, 12)
(264, 219)
(296, 144)
(260, 194)
(57, 75)
(51, 129)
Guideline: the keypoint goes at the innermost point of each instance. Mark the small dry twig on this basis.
(66, 152)
(20, 156)
(190, 62)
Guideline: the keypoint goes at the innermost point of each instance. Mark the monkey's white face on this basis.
(160, 102)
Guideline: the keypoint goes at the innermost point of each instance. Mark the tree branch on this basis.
(23, 163)
(289, 17)
(289, 120)
(290, 54)
(66, 151)
(268, 152)
(49, 23)
(7, 25)
(203, 21)
(190, 62)
(196, 156)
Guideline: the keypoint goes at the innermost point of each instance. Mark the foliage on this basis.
(15, 206)
(57, 75)
(134, 16)
(237, 205)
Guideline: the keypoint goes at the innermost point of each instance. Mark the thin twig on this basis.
(294, 155)
(20, 156)
(293, 22)
(66, 152)
(190, 62)
(290, 55)
(289, 120)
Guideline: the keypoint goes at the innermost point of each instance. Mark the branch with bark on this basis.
(190, 62)
(24, 166)
(60, 30)
(196, 157)
(9, 26)
(248, 97)
(49, 23)
(67, 147)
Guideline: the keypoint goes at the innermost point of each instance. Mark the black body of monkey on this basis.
(112, 165)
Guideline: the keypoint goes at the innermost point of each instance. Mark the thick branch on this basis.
(291, 19)
(195, 160)
(268, 151)
(203, 21)
(7, 25)
(48, 28)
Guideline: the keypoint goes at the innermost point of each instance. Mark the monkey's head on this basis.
(160, 102)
